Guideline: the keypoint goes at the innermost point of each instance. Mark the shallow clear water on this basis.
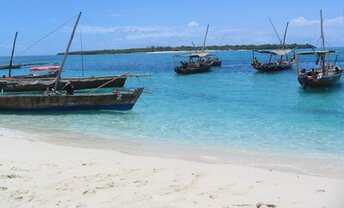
(231, 107)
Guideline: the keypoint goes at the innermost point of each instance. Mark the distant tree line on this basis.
(189, 48)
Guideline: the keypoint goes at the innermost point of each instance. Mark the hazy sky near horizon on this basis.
(118, 24)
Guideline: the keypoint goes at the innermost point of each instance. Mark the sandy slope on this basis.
(36, 174)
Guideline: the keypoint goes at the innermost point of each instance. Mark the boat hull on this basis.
(216, 63)
(272, 67)
(193, 69)
(115, 101)
(324, 81)
(78, 83)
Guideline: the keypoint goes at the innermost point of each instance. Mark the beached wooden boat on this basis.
(54, 100)
(325, 75)
(195, 64)
(118, 100)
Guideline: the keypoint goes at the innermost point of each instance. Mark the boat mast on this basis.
(205, 38)
(322, 56)
(14, 46)
(194, 46)
(322, 30)
(283, 44)
(285, 33)
(273, 26)
(58, 77)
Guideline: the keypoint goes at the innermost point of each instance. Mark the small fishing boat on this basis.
(325, 75)
(278, 60)
(41, 84)
(195, 64)
(209, 59)
(54, 100)
(118, 100)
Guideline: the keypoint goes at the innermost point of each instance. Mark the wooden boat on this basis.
(18, 66)
(210, 59)
(118, 100)
(326, 74)
(196, 64)
(214, 60)
(279, 58)
(41, 84)
(52, 101)
(14, 66)
(281, 63)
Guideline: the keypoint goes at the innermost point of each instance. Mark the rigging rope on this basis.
(6, 39)
(47, 35)
(97, 32)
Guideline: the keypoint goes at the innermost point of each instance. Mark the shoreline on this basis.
(281, 161)
(35, 173)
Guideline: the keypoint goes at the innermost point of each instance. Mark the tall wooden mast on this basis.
(66, 53)
(205, 38)
(322, 30)
(14, 46)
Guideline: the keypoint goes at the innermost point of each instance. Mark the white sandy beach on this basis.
(38, 174)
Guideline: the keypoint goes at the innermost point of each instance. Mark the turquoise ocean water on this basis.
(231, 109)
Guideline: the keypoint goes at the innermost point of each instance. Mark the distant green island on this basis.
(188, 48)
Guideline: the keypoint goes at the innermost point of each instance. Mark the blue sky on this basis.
(119, 24)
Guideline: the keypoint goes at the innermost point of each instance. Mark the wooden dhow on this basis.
(54, 100)
(278, 59)
(324, 75)
(195, 63)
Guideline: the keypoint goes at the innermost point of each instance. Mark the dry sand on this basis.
(37, 174)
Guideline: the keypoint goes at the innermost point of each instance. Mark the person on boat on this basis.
(303, 72)
(50, 90)
(256, 62)
(69, 88)
(183, 64)
(313, 73)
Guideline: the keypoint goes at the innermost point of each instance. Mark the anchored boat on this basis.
(326, 73)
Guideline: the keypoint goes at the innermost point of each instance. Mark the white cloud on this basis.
(193, 24)
(301, 21)
(334, 21)
(157, 34)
